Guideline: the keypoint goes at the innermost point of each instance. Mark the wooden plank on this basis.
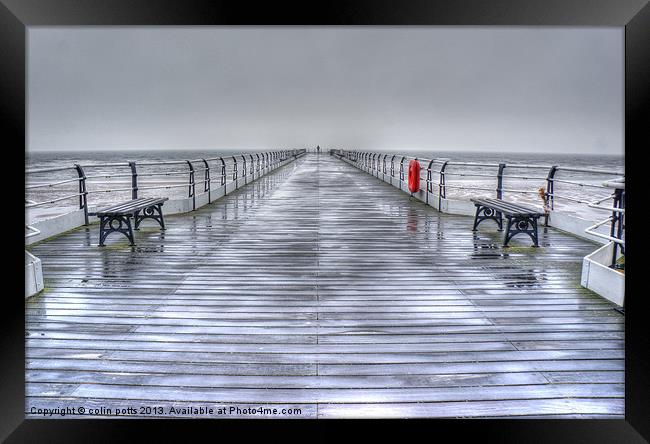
(512, 356)
(185, 338)
(477, 409)
(294, 382)
(333, 395)
(133, 345)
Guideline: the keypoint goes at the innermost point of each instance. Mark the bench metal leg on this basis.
(112, 224)
(484, 213)
(154, 212)
(526, 225)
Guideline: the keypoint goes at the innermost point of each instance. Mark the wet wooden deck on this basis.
(323, 289)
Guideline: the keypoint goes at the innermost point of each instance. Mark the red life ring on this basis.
(414, 176)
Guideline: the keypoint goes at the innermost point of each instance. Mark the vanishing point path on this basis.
(322, 289)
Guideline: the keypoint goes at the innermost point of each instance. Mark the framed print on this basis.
(245, 214)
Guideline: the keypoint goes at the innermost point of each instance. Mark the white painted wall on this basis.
(33, 275)
(574, 225)
(53, 226)
(598, 277)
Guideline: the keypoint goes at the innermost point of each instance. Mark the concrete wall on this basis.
(56, 225)
(598, 277)
(33, 275)
(575, 225)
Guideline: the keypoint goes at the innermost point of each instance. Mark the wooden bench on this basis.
(521, 219)
(117, 218)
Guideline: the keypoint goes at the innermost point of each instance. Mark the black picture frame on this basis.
(17, 15)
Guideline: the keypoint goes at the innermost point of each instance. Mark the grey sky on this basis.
(436, 88)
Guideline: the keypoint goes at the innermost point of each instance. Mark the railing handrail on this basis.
(34, 231)
(265, 159)
(425, 162)
(371, 160)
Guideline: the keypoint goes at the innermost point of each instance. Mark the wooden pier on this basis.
(323, 289)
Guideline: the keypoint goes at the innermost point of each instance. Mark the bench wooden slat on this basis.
(131, 206)
(508, 208)
(115, 207)
(138, 201)
(506, 204)
(502, 202)
(122, 205)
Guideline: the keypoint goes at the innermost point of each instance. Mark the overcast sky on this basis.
(395, 88)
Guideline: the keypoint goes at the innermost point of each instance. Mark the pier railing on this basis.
(79, 186)
(546, 185)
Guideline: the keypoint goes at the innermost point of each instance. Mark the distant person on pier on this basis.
(318, 149)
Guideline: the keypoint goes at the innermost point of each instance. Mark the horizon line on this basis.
(496, 151)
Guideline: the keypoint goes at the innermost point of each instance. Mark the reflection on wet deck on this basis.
(320, 288)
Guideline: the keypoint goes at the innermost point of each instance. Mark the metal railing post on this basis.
(442, 189)
(251, 169)
(206, 179)
(550, 186)
(134, 181)
(223, 171)
(192, 185)
(243, 170)
(234, 168)
(616, 228)
(83, 192)
(500, 181)
(401, 170)
(429, 178)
